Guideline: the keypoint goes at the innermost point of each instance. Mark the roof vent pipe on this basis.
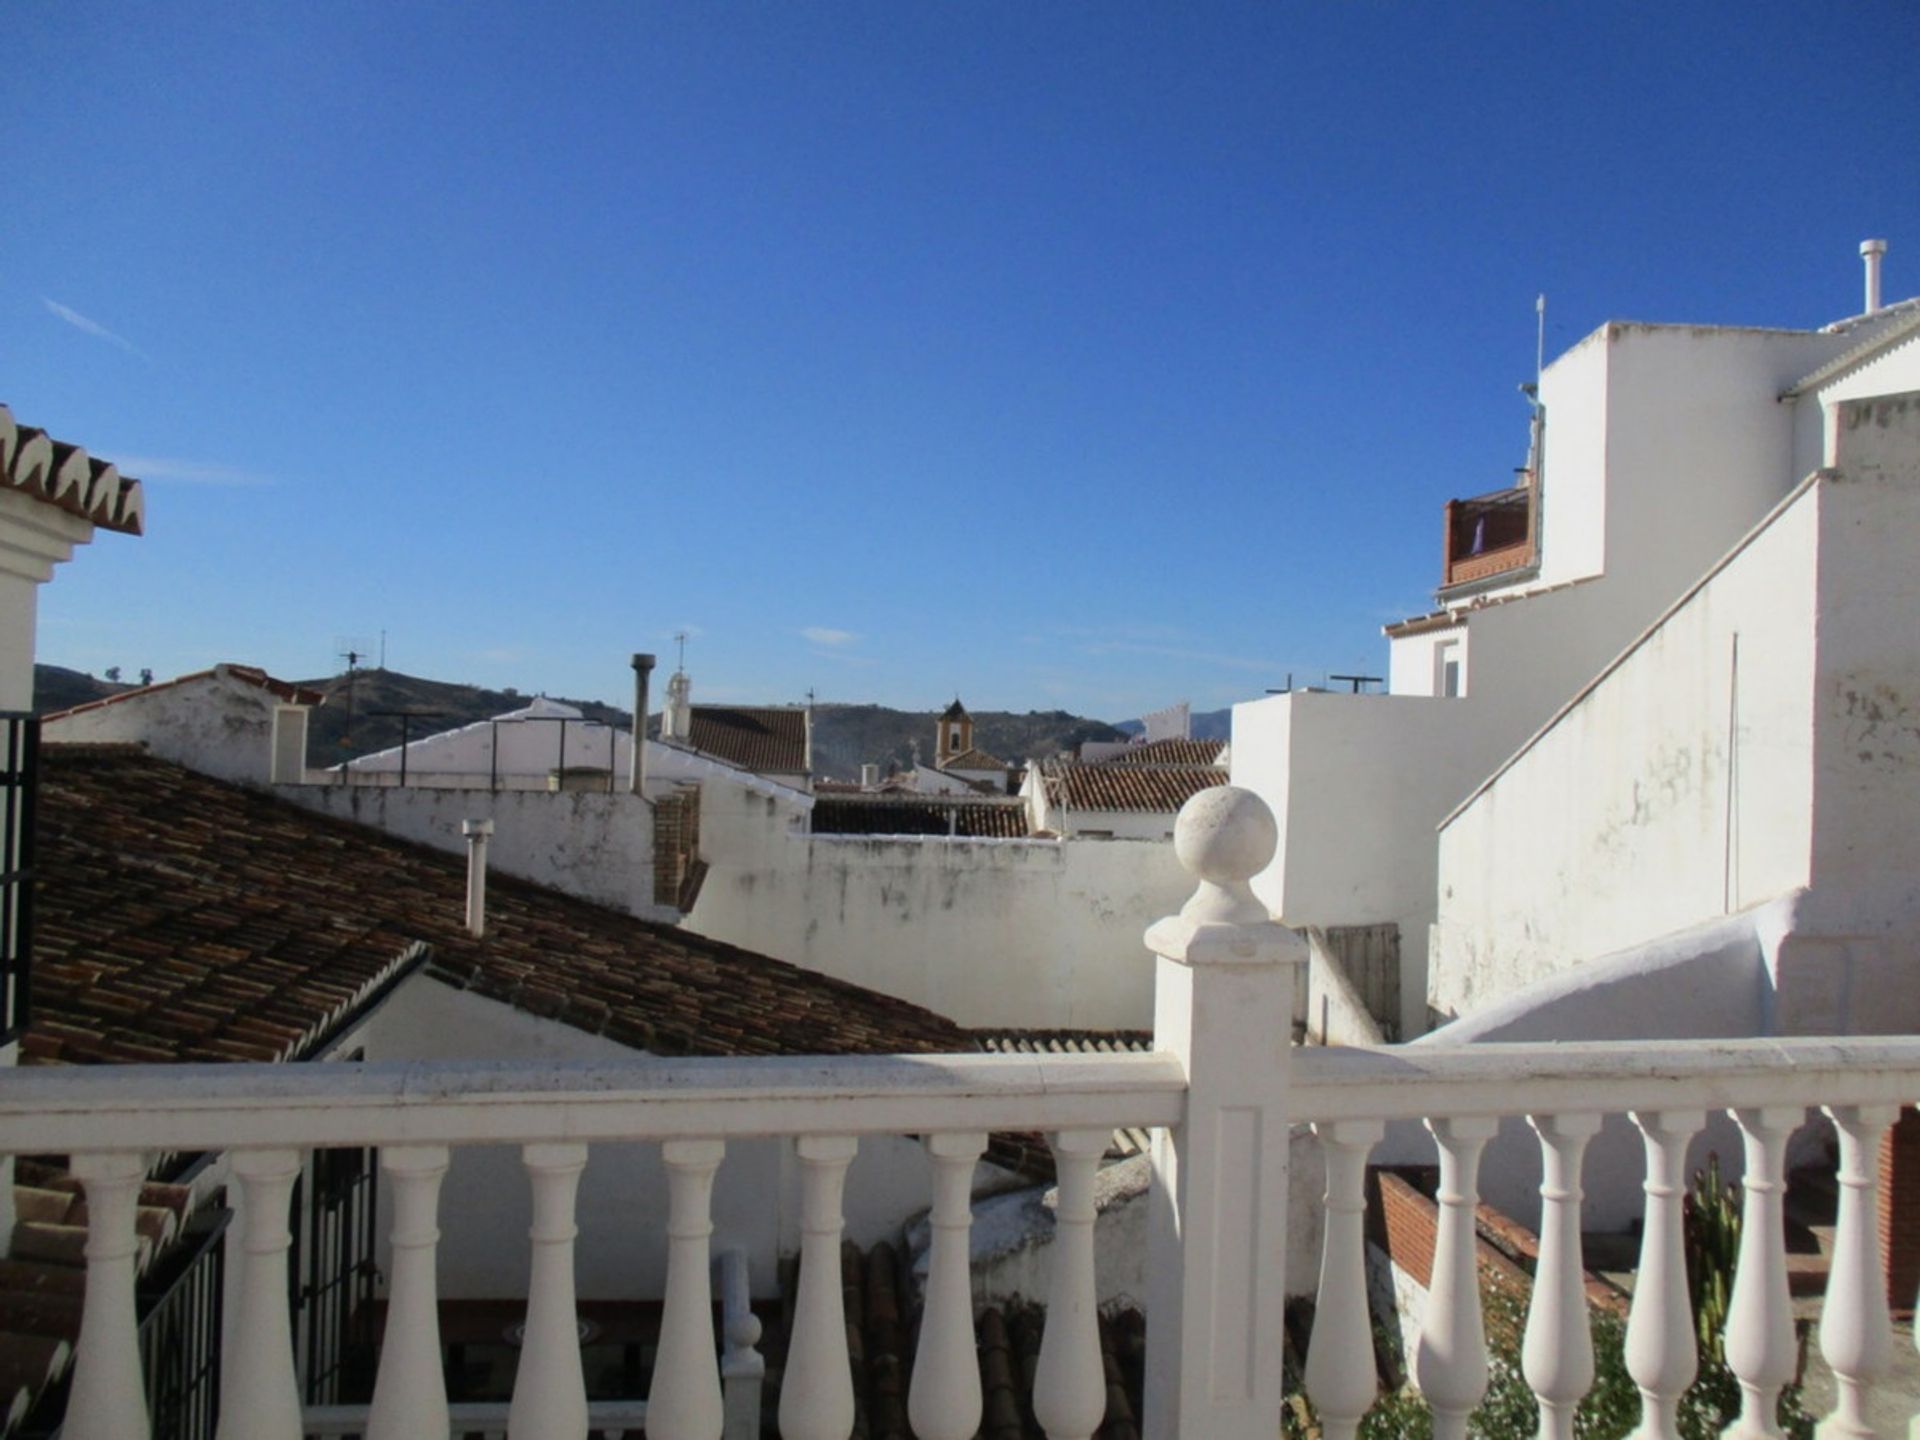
(478, 832)
(637, 768)
(1870, 252)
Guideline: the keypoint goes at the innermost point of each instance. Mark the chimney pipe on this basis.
(637, 770)
(1870, 253)
(477, 832)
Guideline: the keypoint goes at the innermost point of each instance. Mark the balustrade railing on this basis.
(1224, 1090)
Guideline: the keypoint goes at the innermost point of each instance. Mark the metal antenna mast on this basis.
(680, 639)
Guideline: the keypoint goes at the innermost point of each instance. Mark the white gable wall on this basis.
(216, 725)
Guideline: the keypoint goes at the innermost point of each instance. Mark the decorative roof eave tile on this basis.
(65, 476)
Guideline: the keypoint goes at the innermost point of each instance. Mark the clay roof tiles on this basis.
(767, 739)
(1081, 786)
(1169, 752)
(61, 474)
(926, 815)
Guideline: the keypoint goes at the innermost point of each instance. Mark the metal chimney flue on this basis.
(478, 832)
(1871, 253)
(637, 768)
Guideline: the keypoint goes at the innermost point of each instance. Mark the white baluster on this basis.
(410, 1394)
(685, 1400)
(1760, 1345)
(1450, 1357)
(1856, 1330)
(816, 1400)
(1557, 1354)
(1070, 1386)
(1661, 1352)
(550, 1389)
(259, 1395)
(943, 1401)
(1340, 1375)
(108, 1400)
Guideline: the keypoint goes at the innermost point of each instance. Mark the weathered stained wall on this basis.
(216, 725)
(989, 932)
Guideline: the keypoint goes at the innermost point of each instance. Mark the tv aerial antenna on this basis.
(352, 650)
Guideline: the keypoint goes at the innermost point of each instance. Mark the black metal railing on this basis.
(180, 1340)
(334, 1276)
(19, 783)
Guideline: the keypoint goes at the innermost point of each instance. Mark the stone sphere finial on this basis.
(1225, 835)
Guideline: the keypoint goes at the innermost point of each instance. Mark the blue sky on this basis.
(1081, 355)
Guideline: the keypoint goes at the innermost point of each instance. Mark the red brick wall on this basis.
(1900, 1209)
(676, 842)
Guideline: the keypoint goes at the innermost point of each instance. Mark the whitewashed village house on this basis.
(1221, 1088)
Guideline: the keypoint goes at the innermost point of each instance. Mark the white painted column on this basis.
(410, 1393)
(550, 1388)
(259, 1394)
(1223, 1003)
(742, 1368)
(1856, 1329)
(108, 1400)
(684, 1403)
(943, 1399)
(1662, 1353)
(1760, 1345)
(1340, 1377)
(1450, 1358)
(816, 1397)
(1070, 1383)
(1557, 1353)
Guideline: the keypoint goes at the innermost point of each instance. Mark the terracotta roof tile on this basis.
(929, 815)
(770, 739)
(187, 919)
(1084, 786)
(974, 759)
(33, 462)
(1169, 752)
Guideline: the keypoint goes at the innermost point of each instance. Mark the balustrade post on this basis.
(1070, 1382)
(550, 1388)
(684, 1403)
(1223, 1003)
(1340, 1376)
(1856, 1328)
(1760, 1345)
(259, 1394)
(943, 1400)
(1557, 1353)
(108, 1399)
(410, 1393)
(1450, 1357)
(1661, 1350)
(816, 1397)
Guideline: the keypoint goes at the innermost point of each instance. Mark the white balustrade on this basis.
(1340, 1376)
(1662, 1354)
(1856, 1330)
(410, 1392)
(685, 1402)
(1070, 1386)
(1450, 1357)
(943, 1401)
(742, 1367)
(550, 1388)
(108, 1398)
(1760, 1346)
(1557, 1354)
(259, 1395)
(816, 1397)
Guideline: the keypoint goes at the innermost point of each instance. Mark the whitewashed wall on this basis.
(1358, 783)
(1661, 799)
(1894, 371)
(988, 932)
(218, 726)
(34, 537)
(599, 847)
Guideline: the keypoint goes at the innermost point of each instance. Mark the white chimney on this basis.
(478, 832)
(1870, 253)
(870, 776)
(676, 716)
(288, 765)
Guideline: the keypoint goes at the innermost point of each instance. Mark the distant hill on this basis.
(57, 688)
(437, 704)
(847, 736)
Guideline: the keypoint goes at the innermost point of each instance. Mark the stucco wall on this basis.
(218, 726)
(599, 847)
(1676, 790)
(1358, 783)
(988, 932)
(19, 604)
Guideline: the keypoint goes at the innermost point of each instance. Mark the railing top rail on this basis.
(1497, 1079)
(180, 1107)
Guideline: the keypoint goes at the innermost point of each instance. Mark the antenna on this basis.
(383, 647)
(1540, 337)
(680, 639)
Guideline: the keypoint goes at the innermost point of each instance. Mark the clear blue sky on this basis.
(1090, 355)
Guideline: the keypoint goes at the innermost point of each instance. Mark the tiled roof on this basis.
(247, 674)
(928, 815)
(975, 759)
(1169, 752)
(955, 711)
(181, 918)
(770, 739)
(1166, 788)
(65, 475)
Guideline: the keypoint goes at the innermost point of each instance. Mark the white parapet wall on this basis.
(1013, 933)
